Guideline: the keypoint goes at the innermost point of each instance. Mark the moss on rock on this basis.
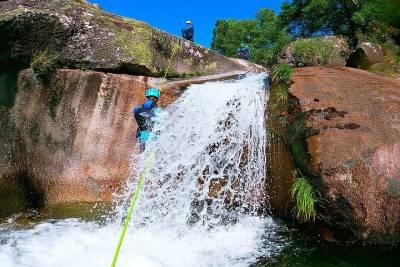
(80, 33)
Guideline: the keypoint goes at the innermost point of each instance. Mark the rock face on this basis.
(366, 55)
(76, 132)
(67, 129)
(75, 34)
(323, 51)
(70, 139)
(350, 121)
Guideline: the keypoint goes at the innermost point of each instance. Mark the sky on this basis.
(170, 15)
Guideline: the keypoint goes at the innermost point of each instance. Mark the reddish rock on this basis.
(71, 139)
(352, 120)
(77, 132)
(69, 136)
(280, 173)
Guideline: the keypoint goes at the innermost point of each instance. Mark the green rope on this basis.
(142, 175)
(133, 201)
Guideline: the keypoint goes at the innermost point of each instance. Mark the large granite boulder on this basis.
(76, 34)
(348, 122)
(366, 55)
(321, 51)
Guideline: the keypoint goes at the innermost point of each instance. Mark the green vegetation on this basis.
(376, 21)
(43, 64)
(302, 193)
(314, 51)
(282, 93)
(354, 19)
(282, 73)
(265, 35)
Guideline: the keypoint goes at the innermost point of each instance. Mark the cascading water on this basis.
(200, 203)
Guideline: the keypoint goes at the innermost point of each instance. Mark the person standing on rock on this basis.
(239, 51)
(145, 116)
(188, 31)
(243, 52)
(246, 53)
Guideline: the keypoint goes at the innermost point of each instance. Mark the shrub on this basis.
(283, 92)
(302, 193)
(43, 63)
(314, 51)
(282, 73)
(392, 53)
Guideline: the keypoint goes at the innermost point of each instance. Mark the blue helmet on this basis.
(153, 92)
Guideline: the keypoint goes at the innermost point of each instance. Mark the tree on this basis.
(229, 34)
(266, 36)
(379, 20)
(354, 19)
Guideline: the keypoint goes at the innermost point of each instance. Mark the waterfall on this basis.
(210, 155)
(203, 201)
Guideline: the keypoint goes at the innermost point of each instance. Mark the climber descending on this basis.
(188, 31)
(145, 116)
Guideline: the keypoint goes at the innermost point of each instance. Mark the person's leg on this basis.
(142, 145)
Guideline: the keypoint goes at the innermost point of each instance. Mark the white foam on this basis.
(72, 243)
(159, 233)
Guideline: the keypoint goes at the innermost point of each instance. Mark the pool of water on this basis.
(304, 249)
(79, 235)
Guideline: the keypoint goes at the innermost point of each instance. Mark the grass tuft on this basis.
(302, 193)
(283, 92)
(282, 73)
(43, 64)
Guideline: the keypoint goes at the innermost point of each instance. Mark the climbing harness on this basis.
(146, 169)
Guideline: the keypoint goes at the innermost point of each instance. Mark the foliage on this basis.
(265, 35)
(43, 63)
(229, 34)
(282, 73)
(302, 193)
(354, 19)
(313, 51)
(392, 53)
(283, 93)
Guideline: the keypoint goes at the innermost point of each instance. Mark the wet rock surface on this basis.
(351, 126)
(67, 127)
(76, 132)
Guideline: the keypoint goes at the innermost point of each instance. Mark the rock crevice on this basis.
(352, 136)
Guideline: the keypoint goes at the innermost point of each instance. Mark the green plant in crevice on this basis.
(282, 92)
(43, 63)
(82, 66)
(282, 73)
(303, 194)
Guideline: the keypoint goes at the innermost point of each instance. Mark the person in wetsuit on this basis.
(145, 116)
(188, 31)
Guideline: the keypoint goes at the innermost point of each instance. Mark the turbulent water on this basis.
(201, 204)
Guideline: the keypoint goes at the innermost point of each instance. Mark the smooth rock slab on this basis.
(353, 120)
(80, 35)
